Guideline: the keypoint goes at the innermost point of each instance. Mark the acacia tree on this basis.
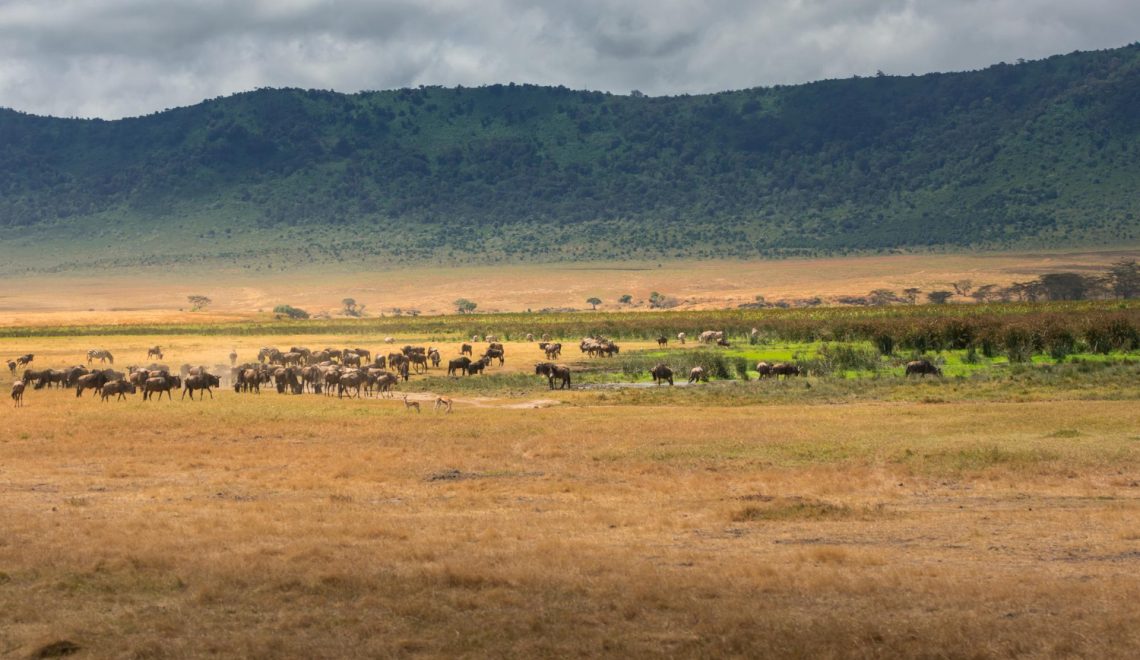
(939, 297)
(626, 299)
(594, 302)
(912, 294)
(465, 306)
(198, 303)
(350, 307)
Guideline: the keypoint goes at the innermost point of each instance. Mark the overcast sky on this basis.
(115, 58)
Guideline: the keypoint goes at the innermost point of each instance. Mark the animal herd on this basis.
(346, 372)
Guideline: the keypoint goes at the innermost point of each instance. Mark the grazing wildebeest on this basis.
(786, 370)
(662, 341)
(103, 356)
(248, 380)
(698, 374)
(530, 336)
(458, 364)
(161, 384)
(710, 336)
(396, 359)
(154, 351)
(552, 350)
(433, 355)
(72, 374)
(465, 349)
(202, 381)
(494, 354)
(119, 387)
(18, 388)
(763, 369)
(12, 366)
(285, 378)
(25, 360)
(364, 353)
(478, 366)
(419, 362)
(311, 378)
(552, 371)
(661, 373)
(922, 368)
(350, 359)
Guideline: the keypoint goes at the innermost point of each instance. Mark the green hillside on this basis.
(1036, 154)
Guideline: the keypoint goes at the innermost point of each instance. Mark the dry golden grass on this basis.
(279, 526)
(160, 296)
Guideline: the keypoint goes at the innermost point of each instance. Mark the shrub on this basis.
(291, 311)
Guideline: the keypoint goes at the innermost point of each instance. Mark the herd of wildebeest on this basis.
(351, 372)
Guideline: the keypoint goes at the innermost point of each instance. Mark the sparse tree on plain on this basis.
(198, 303)
(911, 294)
(465, 306)
(939, 297)
(626, 299)
(594, 302)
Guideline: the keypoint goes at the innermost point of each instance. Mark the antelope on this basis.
(408, 405)
(442, 402)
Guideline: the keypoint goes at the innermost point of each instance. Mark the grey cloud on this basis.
(115, 58)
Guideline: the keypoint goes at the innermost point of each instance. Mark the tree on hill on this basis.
(351, 308)
(464, 306)
(594, 302)
(1124, 279)
(625, 299)
(911, 294)
(939, 297)
(198, 303)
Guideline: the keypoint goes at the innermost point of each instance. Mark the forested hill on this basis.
(1043, 153)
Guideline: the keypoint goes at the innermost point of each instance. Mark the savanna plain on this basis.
(853, 512)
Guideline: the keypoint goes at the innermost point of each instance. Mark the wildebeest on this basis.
(118, 387)
(202, 381)
(383, 382)
(160, 384)
(552, 350)
(478, 366)
(389, 340)
(552, 371)
(154, 351)
(530, 336)
(723, 342)
(285, 378)
(465, 349)
(710, 336)
(922, 368)
(435, 358)
(12, 366)
(353, 379)
(786, 370)
(18, 388)
(92, 381)
(698, 374)
(764, 369)
(661, 373)
(419, 362)
(494, 354)
(681, 337)
(458, 364)
(25, 360)
(101, 355)
(248, 380)
(662, 341)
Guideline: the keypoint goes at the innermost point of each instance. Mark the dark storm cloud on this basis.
(112, 58)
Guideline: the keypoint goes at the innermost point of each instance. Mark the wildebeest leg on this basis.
(211, 392)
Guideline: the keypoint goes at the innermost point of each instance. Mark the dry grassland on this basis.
(280, 526)
(148, 296)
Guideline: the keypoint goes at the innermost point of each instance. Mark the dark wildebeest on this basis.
(477, 366)
(661, 373)
(382, 381)
(763, 369)
(248, 380)
(465, 349)
(494, 354)
(381, 362)
(458, 364)
(101, 355)
(350, 359)
(202, 381)
(120, 387)
(25, 360)
(18, 388)
(552, 350)
(662, 341)
(922, 368)
(286, 378)
(723, 342)
(311, 378)
(161, 384)
(154, 351)
(552, 371)
(353, 380)
(12, 366)
(419, 362)
(92, 381)
(786, 370)
(433, 355)
(698, 374)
